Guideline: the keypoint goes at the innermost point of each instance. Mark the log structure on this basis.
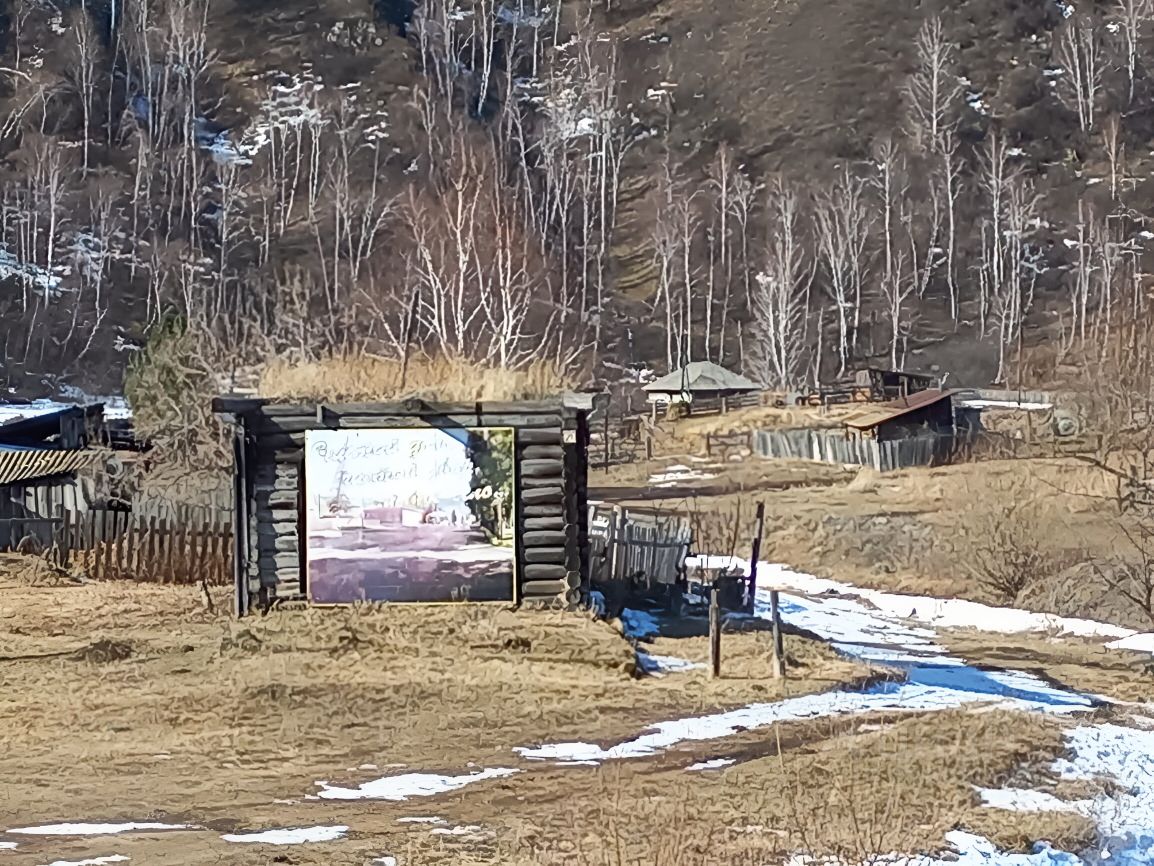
(550, 479)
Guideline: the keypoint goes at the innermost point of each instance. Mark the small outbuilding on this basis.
(410, 501)
(919, 414)
(877, 384)
(701, 381)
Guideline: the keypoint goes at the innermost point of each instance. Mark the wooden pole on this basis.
(605, 434)
(615, 532)
(778, 646)
(751, 602)
(714, 632)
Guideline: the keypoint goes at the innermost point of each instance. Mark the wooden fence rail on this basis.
(632, 550)
(117, 545)
(833, 446)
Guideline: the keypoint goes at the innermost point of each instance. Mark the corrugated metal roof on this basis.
(867, 419)
(701, 376)
(27, 465)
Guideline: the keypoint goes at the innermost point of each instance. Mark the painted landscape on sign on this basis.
(416, 515)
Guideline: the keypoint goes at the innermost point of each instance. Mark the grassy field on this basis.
(136, 702)
(948, 531)
(131, 702)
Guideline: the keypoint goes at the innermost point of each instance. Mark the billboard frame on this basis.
(515, 562)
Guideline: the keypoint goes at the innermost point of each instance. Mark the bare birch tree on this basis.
(781, 292)
(1131, 18)
(1078, 49)
(842, 224)
(933, 89)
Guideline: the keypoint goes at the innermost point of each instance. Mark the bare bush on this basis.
(1008, 551)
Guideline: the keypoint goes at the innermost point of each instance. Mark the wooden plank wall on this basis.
(833, 446)
(550, 490)
(118, 545)
(634, 551)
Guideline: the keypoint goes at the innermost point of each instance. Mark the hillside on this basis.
(788, 187)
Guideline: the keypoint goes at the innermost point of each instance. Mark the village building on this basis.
(703, 383)
(410, 501)
(874, 384)
(921, 428)
(921, 413)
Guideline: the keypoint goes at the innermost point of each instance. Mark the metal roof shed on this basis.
(699, 379)
(900, 418)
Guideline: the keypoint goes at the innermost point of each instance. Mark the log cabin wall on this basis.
(550, 482)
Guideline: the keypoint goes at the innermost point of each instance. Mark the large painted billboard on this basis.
(417, 515)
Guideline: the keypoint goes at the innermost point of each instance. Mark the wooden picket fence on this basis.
(636, 550)
(117, 545)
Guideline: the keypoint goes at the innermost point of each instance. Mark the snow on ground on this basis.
(1125, 816)
(1022, 406)
(1137, 642)
(642, 625)
(1023, 800)
(408, 785)
(8, 846)
(657, 665)
(91, 861)
(938, 612)
(41, 281)
(913, 696)
(712, 764)
(290, 836)
(116, 407)
(97, 829)
(674, 475)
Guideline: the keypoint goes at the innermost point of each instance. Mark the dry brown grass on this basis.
(831, 786)
(368, 377)
(915, 531)
(1080, 665)
(153, 707)
(763, 418)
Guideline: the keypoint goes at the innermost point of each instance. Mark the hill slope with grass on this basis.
(788, 188)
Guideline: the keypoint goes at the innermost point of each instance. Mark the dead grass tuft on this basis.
(848, 788)
(367, 377)
(1020, 831)
(103, 651)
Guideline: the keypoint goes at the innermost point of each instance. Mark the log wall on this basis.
(550, 456)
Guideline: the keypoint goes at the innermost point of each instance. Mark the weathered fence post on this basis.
(751, 602)
(62, 533)
(615, 532)
(715, 631)
(605, 433)
(778, 645)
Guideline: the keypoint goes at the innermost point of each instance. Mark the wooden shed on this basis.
(923, 412)
(877, 384)
(390, 533)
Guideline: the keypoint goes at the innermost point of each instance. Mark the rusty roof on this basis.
(870, 418)
(28, 464)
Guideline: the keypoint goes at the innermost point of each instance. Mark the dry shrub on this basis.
(1009, 548)
(724, 528)
(371, 377)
